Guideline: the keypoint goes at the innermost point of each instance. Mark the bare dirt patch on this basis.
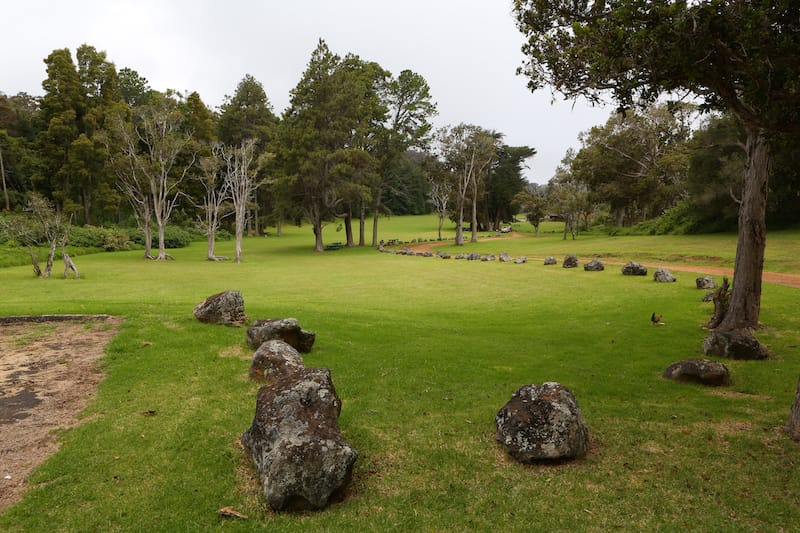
(48, 374)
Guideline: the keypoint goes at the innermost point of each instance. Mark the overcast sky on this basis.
(467, 50)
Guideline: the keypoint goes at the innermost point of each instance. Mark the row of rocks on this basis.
(302, 459)
(503, 257)
(631, 268)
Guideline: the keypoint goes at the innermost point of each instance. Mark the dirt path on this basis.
(48, 374)
(779, 278)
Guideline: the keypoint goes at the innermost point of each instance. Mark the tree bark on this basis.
(474, 226)
(3, 174)
(318, 244)
(793, 425)
(239, 235)
(348, 227)
(48, 267)
(37, 271)
(460, 223)
(745, 300)
(362, 224)
(69, 265)
(376, 206)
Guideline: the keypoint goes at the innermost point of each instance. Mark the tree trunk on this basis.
(69, 264)
(375, 215)
(362, 224)
(37, 271)
(745, 300)
(211, 242)
(162, 248)
(318, 244)
(793, 425)
(441, 223)
(460, 223)
(239, 235)
(48, 267)
(3, 174)
(474, 226)
(148, 239)
(348, 227)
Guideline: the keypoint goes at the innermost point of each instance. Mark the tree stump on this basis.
(721, 301)
(69, 265)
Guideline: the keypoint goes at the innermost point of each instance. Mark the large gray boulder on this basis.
(301, 457)
(662, 275)
(703, 371)
(570, 261)
(226, 308)
(273, 360)
(285, 329)
(542, 422)
(632, 268)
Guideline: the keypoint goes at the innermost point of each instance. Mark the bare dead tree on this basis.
(153, 144)
(439, 195)
(217, 193)
(240, 175)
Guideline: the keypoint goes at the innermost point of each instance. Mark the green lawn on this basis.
(423, 353)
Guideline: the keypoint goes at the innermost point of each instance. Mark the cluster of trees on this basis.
(355, 142)
(667, 164)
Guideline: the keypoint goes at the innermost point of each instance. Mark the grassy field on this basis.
(423, 353)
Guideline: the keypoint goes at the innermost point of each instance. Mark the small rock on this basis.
(662, 275)
(595, 265)
(550, 260)
(571, 261)
(286, 329)
(275, 359)
(633, 268)
(705, 283)
(703, 371)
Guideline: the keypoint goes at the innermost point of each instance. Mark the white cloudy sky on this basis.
(467, 50)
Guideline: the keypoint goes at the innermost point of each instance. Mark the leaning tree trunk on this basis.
(69, 264)
(733, 336)
(37, 271)
(794, 417)
(745, 301)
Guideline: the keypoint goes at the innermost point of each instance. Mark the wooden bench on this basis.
(334, 246)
